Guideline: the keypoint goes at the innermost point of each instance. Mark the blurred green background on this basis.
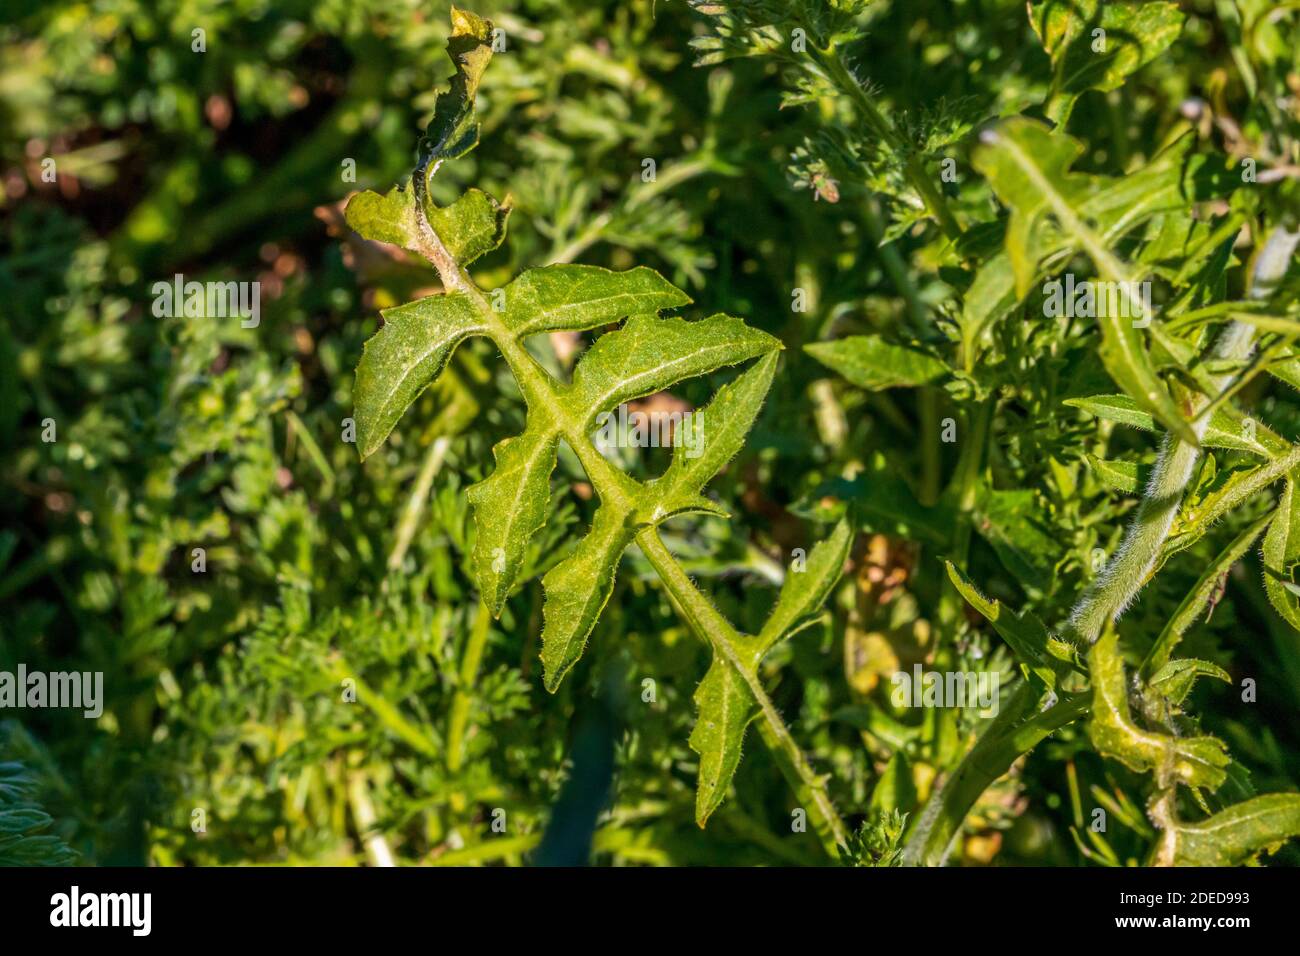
(224, 689)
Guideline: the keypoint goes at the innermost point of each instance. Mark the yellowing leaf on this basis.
(471, 227)
(1193, 761)
(1231, 837)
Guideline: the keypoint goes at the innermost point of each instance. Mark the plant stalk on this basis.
(1126, 573)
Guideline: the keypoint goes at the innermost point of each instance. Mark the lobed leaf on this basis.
(1193, 761)
(387, 217)
(404, 358)
(1231, 837)
(471, 227)
(649, 354)
(583, 297)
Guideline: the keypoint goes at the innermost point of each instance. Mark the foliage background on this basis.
(223, 687)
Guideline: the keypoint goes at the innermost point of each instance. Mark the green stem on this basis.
(712, 627)
(1119, 582)
(460, 703)
(964, 490)
(415, 505)
(1016, 730)
(832, 65)
(388, 715)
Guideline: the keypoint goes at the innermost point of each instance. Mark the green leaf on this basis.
(870, 362)
(1176, 679)
(1230, 489)
(1011, 522)
(645, 355)
(1220, 433)
(721, 428)
(991, 296)
(724, 699)
(1039, 653)
(1123, 476)
(389, 217)
(404, 358)
(726, 708)
(884, 503)
(584, 297)
(1281, 547)
(1194, 603)
(453, 131)
(1193, 761)
(1231, 837)
(895, 790)
(577, 590)
(1082, 60)
(510, 507)
(471, 227)
(1028, 167)
(649, 354)
(804, 591)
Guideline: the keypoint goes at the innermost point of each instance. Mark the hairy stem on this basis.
(1125, 574)
(832, 65)
(1017, 729)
